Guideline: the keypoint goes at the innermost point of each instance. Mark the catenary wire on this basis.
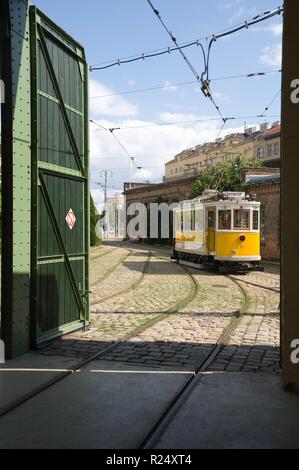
(178, 123)
(181, 84)
(160, 52)
(270, 104)
(199, 78)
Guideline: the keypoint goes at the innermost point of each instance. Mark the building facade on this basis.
(265, 183)
(262, 143)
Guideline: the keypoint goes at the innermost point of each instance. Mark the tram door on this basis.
(211, 224)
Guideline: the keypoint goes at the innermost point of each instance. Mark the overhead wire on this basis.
(197, 42)
(112, 131)
(195, 121)
(202, 82)
(262, 115)
(181, 84)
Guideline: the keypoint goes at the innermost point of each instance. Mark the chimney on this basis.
(264, 127)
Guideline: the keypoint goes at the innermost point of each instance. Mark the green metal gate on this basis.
(45, 191)
(60, 192)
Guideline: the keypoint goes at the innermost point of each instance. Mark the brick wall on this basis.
(170, 192)
(269, 196)
(174, 191)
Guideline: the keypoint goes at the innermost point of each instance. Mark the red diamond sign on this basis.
(71, 219)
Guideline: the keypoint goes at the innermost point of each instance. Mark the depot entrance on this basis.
(45, 216)
(45, 240)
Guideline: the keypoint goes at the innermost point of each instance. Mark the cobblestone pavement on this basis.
(180, 313)
(254, 345)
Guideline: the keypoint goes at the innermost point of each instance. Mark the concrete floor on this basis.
(236, 411)
(103, 406)
(24, 375)
(113, 406)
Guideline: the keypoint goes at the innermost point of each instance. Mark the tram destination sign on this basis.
(234, 195)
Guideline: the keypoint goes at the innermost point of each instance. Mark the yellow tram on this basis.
(219, 231)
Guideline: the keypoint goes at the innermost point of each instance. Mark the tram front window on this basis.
(225, 220)
(241, 219)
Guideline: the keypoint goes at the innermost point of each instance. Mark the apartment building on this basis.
(263, 143)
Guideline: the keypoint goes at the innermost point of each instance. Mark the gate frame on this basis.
(16, 177)
(290, 199)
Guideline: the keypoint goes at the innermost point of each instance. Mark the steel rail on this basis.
(151, 439)
(61, 376)
(272, 289)
(133, 286)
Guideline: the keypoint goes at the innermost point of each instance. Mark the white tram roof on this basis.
(228, 197)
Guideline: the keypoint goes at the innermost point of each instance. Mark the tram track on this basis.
(112, 268)
(133, 286)
(160, 426)
(103, 352)
(260, 286)
(162, 423)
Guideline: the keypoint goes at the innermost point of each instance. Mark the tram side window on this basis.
(193, 220)
(187, 220)
(255, 220)
(179, 222)
(241, 219)
(198, 220)
(225, 220)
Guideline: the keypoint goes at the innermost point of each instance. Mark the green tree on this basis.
(224, 176)
(94, 218)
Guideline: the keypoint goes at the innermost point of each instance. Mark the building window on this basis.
(260, 152)
(270, 151)
(171, 172)
(276, 149)
(224, 220)
(176, 171)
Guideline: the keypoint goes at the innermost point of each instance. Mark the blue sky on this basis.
(116, 29)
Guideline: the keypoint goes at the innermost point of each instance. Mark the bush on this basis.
(94, 218)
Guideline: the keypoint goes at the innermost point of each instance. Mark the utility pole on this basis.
(106, 173)
(132, 160)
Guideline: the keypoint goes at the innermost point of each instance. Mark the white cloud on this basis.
(229, 5)
(239, 13)
(272, 55)
(110, 105)
(174, 117)
(275, 29)
(220, 96)
(131, 82)
(169, 87)
(152, 146)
